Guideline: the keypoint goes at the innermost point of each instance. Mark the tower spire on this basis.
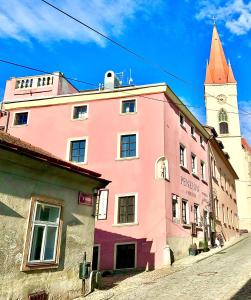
(218, 70)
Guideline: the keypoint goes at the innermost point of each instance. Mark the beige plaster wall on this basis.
(226, 197)
(19, 179)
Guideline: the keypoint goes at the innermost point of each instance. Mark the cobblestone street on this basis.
(225, 275)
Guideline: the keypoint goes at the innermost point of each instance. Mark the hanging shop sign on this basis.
(102, 204)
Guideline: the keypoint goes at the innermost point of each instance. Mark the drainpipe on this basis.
(3, 114)
(211, 198)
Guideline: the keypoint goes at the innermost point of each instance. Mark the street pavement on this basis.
(224, 275)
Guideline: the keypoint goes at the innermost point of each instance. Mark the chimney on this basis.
(111, 81)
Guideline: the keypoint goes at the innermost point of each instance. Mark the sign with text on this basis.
(190, 184)
(85, 199)
(103, 204)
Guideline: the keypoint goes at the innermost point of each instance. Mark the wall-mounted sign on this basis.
(85, 199)
(103, 204)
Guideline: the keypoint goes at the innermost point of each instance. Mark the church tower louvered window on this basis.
(223, 122)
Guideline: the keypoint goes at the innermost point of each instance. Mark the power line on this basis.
(141, 57)
(95, 85)
(44, 72)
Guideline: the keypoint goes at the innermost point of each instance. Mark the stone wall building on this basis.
(44, 229)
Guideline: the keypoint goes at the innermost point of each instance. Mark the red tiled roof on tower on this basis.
(218, 70)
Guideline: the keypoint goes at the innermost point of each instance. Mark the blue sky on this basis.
(174, 34)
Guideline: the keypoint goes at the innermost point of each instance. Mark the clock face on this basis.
(221, 99)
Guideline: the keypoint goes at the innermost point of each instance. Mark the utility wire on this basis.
(142, 58)
(44, 72)
(95, 85)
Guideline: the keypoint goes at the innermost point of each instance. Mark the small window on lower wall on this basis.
(175, 208)
(43, 237)
(185, 212)
(125, 256)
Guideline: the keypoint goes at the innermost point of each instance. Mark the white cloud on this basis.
(245, 119)
(236, 14)
(29, 19)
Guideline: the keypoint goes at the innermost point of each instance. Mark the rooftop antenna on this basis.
(130, 81)
(120, 77)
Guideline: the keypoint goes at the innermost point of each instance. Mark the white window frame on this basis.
(203, 170)
(20, 112)
(128, 113)
(185, 156)
(177, 207)
(192, 133)
(119, 135)
(68, 149)
(115, 255)
(80, 119)
(27, 264)
(182, 124)
(187, 212)
(202, 142)
(195, 170)
(45, 224)
(198, 213)
(116, 210)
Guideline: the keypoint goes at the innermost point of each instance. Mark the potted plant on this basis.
(205, 246)
(192, 249)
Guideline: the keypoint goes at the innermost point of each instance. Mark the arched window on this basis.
(223, 121)
(161, 168)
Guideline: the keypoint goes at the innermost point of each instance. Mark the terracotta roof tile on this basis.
(15, 144)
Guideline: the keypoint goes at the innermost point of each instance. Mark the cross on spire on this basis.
(214, 20)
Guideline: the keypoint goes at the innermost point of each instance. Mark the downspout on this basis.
(211, 198)
(3, 114)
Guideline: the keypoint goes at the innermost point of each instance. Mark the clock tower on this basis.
(222, 113)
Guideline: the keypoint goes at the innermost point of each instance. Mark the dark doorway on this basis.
(95, 258)
(125, 256)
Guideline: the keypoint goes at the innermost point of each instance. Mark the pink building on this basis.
(143, 139)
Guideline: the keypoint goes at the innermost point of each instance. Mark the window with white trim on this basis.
(183, 161)
(182, 120)
(175, 207)
(128, 106)
(128, 145)
(45, 225)
(196, 214)
(202, 141)
(126, 209)
(44, 234)
(21, 118)
(194, 163)
(80, 112)
(185, 211)
(192, 131)
(77, 151)
(203, 170)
